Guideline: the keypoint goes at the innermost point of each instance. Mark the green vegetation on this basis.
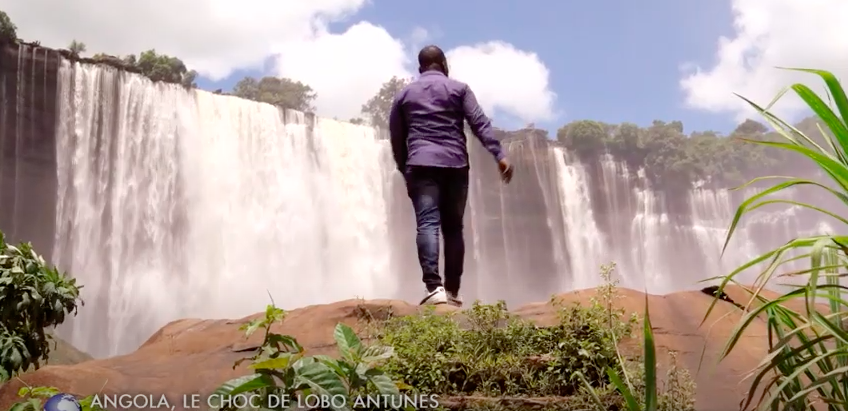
(626, 387)
(482, 359)
(157, 67)
(488, 359)
(675, 161)
(282, 369)
(8, 30)
(33, 398)
(377, 108)
(281, 92)
(808, 361)
(33, 299)
(77, 47)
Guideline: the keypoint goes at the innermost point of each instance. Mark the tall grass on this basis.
(625, 386)
(807, 363)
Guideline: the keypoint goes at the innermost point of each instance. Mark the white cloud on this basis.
(506, 79)
(216, 37)
(770, 34)
(213, 36)
(345, 69)
(418, 36)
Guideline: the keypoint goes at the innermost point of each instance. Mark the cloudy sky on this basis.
(541, 61)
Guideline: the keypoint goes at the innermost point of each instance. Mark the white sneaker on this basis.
(454, 300)
(435, 297)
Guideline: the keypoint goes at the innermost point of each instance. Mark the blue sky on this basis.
(612, 61)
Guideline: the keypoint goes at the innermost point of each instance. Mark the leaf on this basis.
(592, 393)
(650, 362)
(383, 384)
(241, 385)
(836, 90)
(285, 341)
(632, 405)
(346, 340)
(375, 353)
(274, 363)
(321, 380)
(333, 364)
(44, 392)
(32, 404)
(402, 385)
(251, 327)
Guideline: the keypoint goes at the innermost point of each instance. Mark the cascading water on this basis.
(585, 240)
(174, 203)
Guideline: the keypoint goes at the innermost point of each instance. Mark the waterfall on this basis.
(585, 240)
(176, 203)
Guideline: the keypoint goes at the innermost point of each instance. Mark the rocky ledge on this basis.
(195, 356)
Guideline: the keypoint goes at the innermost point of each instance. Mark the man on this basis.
(429, 146)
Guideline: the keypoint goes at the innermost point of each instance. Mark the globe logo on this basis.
(62, 402)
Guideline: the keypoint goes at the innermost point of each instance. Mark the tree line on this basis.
(675, 161)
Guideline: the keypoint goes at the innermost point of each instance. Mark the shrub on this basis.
(808, 348)
(33, 298)
(282, 370)
(8, 30)
(488, 352)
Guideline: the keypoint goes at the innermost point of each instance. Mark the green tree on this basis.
(377, 108)
(281, 92)
(76, 47)
(587, 138)
(750, 127)
(33, 299)
(8, 30)
(672, 160)
(161, 67)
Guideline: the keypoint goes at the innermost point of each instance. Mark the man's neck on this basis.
(433, 72)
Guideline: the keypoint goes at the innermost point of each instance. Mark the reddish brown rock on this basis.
(194, 356)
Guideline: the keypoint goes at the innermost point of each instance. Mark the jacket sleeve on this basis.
(398, 132)
(481, 126)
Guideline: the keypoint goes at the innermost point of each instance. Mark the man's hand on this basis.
(506, 170)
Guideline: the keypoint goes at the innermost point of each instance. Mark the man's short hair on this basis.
(430, 56)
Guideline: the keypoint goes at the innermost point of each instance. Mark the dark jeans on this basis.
(439, 196)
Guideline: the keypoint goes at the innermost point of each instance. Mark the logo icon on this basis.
(62, 402)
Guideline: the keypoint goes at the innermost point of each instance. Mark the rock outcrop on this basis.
(194, 356)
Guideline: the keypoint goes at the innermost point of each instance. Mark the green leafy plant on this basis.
(626, 386)
(8, 30)
(488, 356)
(283, 370)
(33, 298)
(33, 399)
(807, 361)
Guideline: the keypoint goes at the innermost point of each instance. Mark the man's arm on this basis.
(398, 132)
(480, 124)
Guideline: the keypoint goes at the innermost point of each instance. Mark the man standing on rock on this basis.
(429, 146)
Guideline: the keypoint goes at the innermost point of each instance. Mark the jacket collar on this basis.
(429, 73)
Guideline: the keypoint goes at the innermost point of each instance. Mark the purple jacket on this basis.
(426, 123)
